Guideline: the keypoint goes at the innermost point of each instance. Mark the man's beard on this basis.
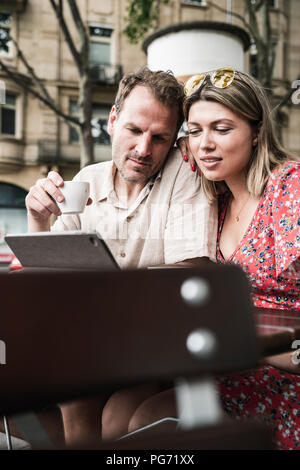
(139, 176)
(138, 179)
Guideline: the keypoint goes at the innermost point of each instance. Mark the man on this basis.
(145, 203)
(147, 207)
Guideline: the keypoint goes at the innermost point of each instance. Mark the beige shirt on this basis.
(169, 222)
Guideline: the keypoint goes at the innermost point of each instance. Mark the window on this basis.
(100, 44)
(12, 196)
(8, 115)
(253, 66)
(13, 216)
(253, 62)
(99, 53)
(200, 3)
(5, 25)
(99, 123)
(100, 31)
(2, 92)
(74, 111)
(272, 3)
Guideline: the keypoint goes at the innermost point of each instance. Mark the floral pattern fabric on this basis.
(269, 250)
(269, 255)
(267, 395)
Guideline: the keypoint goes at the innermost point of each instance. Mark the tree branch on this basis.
(272, 60)
(50, 104)
(252, 20)
(83, 36)
(59, 15)
(77, 17)
(236, 15)
(258, 5)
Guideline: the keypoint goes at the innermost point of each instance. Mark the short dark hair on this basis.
(163, 85)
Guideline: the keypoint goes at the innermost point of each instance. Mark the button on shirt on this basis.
(170, 221)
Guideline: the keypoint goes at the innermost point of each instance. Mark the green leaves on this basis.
(142, 16)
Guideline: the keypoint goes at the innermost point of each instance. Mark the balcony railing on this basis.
(106, 74)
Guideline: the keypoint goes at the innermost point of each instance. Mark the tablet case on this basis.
(62, 250)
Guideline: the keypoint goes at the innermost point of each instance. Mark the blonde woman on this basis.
(256, 182)
(257, 186)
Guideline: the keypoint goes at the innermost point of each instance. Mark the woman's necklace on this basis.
(237, 217)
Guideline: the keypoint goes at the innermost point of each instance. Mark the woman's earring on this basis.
(255, 142)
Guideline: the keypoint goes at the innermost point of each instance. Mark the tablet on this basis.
(62, 250)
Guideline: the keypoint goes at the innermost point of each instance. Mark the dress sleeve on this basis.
(285, 186)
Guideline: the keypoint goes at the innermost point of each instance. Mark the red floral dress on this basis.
(270, 248)
(269, 254)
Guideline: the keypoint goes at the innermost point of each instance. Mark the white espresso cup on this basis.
(76, 194)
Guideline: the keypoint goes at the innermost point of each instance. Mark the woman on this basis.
(257, 185)
(256, 182)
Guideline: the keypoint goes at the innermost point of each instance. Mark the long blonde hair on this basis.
(247, 98)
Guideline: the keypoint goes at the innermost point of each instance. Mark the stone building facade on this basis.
(33, 140)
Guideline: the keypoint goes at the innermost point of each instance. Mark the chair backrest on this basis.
(72, 334)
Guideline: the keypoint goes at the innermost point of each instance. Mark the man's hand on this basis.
(41, 202)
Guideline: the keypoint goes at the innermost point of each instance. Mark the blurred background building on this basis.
(190, 36)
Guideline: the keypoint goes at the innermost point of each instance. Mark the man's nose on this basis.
(207, 141)
(143, 146)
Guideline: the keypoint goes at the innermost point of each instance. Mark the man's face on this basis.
(142, 135)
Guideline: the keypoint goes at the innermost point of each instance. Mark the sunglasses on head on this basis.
(220, 78)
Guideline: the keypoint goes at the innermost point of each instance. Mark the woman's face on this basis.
(220, 140)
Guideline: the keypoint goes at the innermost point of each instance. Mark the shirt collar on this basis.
(108, 183)
(107, 188)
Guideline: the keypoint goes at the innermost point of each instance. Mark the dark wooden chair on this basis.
(73, 334)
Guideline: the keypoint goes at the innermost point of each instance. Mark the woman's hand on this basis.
(183, 145)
